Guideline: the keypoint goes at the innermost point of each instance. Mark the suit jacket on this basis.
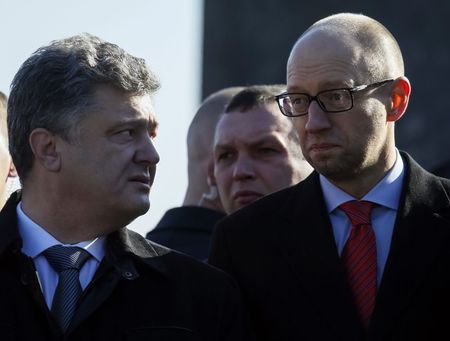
(282, 252)
(141, 291)
(187, 229)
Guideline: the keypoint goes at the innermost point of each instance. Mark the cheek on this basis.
(4, 164)
(300, 122)
(280, 172)
(222, 179)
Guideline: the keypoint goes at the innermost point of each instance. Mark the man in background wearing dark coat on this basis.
(188, 228)
(81, 125)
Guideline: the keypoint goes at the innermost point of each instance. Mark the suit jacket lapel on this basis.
(308, 243)
(419, 234)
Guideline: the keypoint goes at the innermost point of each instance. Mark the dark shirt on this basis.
(187, 229)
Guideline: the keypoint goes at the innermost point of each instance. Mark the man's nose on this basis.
(147, 152)
(317, 119)
(243, 168)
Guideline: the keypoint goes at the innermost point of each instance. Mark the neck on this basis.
(68, 223)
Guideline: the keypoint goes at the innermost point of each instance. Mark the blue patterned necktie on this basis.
(67, 262)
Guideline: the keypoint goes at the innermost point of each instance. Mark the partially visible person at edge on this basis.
(188, 228)
(7, 170)
(256, 150)
(359, 250)
(81, 127)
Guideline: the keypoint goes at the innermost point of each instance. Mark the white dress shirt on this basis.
(386, 193)
(36, 240)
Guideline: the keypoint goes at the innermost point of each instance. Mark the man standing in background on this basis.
(256, 150)
(189, 228)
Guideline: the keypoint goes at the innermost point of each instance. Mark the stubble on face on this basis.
(340, 146)
(362, 146)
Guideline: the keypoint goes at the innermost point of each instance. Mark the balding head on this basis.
(200, 140)
(374, 47)
(345, 81)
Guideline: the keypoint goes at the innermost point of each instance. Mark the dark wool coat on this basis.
(141, 291)
(282, 252)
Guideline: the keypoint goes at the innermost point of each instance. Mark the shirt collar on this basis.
(385, 193)
(36, 239)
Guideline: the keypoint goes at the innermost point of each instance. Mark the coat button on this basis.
(128, 274)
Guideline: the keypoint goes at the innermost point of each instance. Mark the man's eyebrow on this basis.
(266, 138)
(221, 146)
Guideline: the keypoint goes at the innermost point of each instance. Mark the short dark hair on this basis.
(54, 88)
(253, 96)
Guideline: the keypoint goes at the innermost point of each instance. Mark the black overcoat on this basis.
(282, 252)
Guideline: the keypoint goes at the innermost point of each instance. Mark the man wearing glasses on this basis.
(358, 250)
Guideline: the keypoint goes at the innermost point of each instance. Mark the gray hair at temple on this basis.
(54, 89)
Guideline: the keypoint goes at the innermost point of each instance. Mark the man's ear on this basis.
(211, 179)
(43, 145)
(12, 170)
(401, 89)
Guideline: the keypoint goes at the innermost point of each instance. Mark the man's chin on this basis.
(337, 173)
(134, 210)
(142, 208)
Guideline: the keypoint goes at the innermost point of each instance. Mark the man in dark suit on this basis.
(81, 125)
(188, 228)
(358, 250)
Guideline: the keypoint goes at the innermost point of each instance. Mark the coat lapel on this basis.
(420, 232)
(309, 247)
(124, 249)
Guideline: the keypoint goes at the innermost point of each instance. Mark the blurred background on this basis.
(197, 47)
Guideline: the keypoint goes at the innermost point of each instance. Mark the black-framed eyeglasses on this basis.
(334, 100)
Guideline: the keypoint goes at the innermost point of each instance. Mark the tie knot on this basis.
(62, 258)
(359, 212)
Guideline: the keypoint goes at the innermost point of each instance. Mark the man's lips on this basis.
(246, 197)
(321, 147)
(142, 179)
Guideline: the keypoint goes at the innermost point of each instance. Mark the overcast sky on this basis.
(167, 34)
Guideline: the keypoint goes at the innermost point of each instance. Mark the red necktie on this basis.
(360, 257)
